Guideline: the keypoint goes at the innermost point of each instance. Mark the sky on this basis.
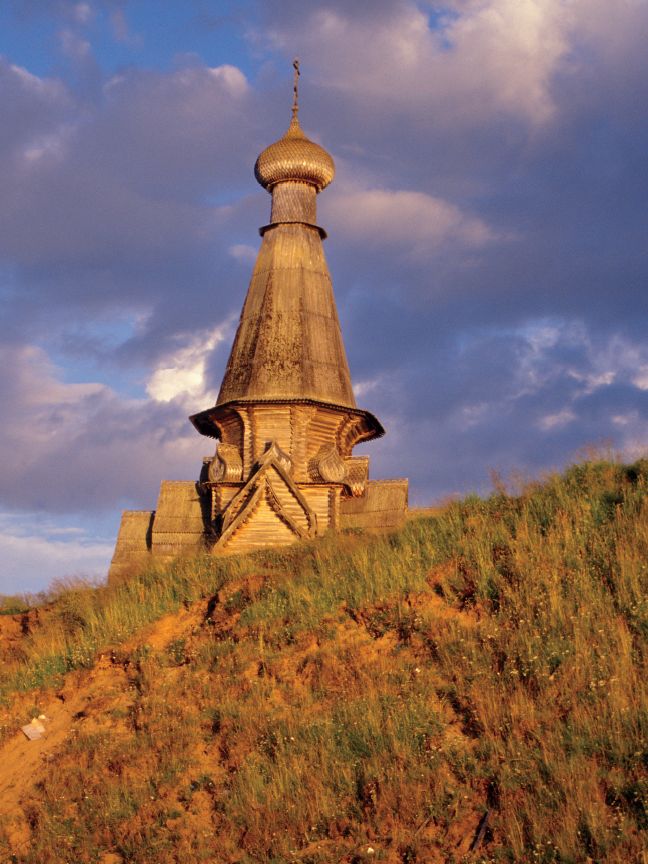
(488, 239)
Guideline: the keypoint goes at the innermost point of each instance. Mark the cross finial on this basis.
(295, 105)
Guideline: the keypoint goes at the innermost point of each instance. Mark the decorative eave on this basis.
(207, 422)
(318, 228)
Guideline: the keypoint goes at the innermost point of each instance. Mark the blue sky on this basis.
(487, 238)
(148, 33)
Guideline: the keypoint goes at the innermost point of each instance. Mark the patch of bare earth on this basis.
(90, 699)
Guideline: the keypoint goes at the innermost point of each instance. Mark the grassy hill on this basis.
(471, 688)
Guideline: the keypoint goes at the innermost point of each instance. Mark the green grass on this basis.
(11, 605)
(370, 691)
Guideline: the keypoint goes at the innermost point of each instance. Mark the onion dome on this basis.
(294, 157)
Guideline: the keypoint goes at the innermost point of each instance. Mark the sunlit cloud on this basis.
(414, 221)
(496, 56)
(184, 372)
(554, 421)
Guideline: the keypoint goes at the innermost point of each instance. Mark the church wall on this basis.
(179, 522)
(132, 550)
(383, 505)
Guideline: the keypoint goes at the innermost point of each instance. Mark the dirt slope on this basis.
(87, 701)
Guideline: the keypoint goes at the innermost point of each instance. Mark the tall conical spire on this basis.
(289, 345)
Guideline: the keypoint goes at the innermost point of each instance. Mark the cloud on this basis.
(244, 253)
(412, 221)
(486, 235)
(80, 447)
(74, 46)
(361, 388)
(118, 181)
(462, 63)
(641, 378)
(184, 372)
(34, 553)
(554, 421)
(31, 106)
(476, 59)
(107, 206)
(530, 397)
(120, 26)
(232, 78)
(83, 13)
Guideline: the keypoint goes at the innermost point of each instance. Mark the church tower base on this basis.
(181, 524)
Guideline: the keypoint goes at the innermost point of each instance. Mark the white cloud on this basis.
(80, 447)
(183, 373)
(635, 445)
(601, 361)
(473, 415)
(41, 87)
(49, 406)
(414, 221)
(243, 252)
(489, 56)
(83, 13)
(640, 380)
(624, 419)
(361, 388)
(232, 79)
(50, 146)
(150, 152)
(73, 45)
(34, 553)
(557, 420)
(471, 64)
(120, 28)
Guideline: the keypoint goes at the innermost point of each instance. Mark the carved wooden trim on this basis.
(330, 466)
(357, 475)
(244, 503)
(226, 466)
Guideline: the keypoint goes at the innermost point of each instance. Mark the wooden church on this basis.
(286, 419)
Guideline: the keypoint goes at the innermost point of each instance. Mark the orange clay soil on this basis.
(84, 700)
(98, 700)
